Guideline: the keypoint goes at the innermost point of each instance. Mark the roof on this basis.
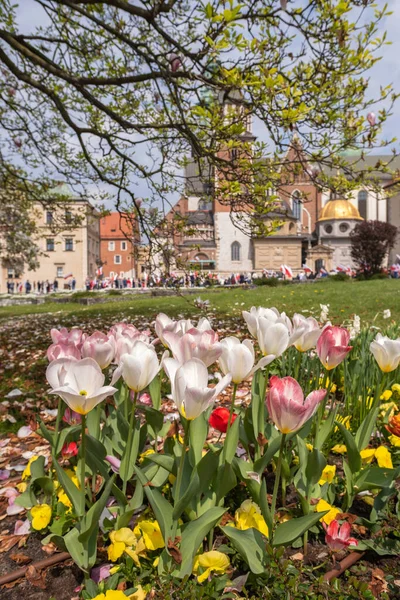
(200, 217)
(339, 209)
(356, 163)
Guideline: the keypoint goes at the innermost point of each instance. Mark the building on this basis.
(69, 242)
(393, 216)
(119, 238)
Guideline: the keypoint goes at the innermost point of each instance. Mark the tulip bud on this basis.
(174, 62)
(332, 346)
(69, 450)
(371, 118)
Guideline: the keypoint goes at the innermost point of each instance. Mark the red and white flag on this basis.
(307, 269)
(68, 276)
(287, 271)
(99, 271)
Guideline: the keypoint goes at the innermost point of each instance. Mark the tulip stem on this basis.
(179, 476)
(57, 429)
(128, 447)
(83, 463)
(278, 475)
(235, 385)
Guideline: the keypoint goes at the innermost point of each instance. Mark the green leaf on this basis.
(46, 433)
(190, 491)
(289, 531)
(134, 503)
(163, 460)
(374, 477)
(155, 392)
(95, 455)
(154, 418)
(193, 535)
(315, 465)
(325, 429)
(272, 448)
(44, 483)
(232, 441)
(251, 546)
(197, 434)
(353, 454)
(70, 489)
(160, 505)
(364, 432)
(225, 481)
(264, 506)
(37, 468)
(128, 462)
(92, 517)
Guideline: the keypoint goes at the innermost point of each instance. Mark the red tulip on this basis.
(338, 538)
(332, 346)
(69, 450)
(219, 419)
(394, 425)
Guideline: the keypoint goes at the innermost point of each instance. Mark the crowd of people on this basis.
(37, 287)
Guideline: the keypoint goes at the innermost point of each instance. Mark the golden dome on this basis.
(339, 209)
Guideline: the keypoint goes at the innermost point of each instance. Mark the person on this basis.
(28, 286)
(73, 283)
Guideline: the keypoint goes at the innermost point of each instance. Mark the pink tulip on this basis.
(100, 347)
(164, 323)
(203, 345)
(371, 118)
(62, 350)
(126, 342)
(338, 538)
(332, 346)
(286, 405)
(71, 417)
(114, 463)
(144, 399)
(125, 329)
(63, 336)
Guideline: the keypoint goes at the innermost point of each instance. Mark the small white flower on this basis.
(387, 314)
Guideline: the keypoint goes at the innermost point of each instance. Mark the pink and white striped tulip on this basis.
(164, 324)
(81, 383)
(338, 538)
(332, 346)
(286, 405)
(100, 347)
(126, 329)
(63, 336)
(62, 350)
(310, 332)
(238, 358)
(195, 343)
(189, 386)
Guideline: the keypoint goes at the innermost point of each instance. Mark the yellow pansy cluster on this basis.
(344, 421)
(327, 474)
(140, 594)
(145, 537)
(381, 454)
(212, 561)
(394, 440)
(249, 516)
(339, 449)
(331, 515)
(41, 516)
(151, 534)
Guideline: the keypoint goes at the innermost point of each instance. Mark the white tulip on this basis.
(189, 386)
(386, 352)
(139, 367)
(310, 332)
(237, 359)
(194, 344)
(273, 338)
(273, 316)
(164, 324)
(81, 383)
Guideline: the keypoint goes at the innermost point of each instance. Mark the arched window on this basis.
(235, 251)
(296, 205)
(362, 203)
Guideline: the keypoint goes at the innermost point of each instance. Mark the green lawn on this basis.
(365, 298)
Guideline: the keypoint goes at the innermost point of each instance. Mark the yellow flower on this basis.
(394, 440)
(249, 516)
(63, 498)
(41, 516)
(171, 478)
(21, 487)
(367, 455)
(120, 539)
(339, 449)
(368, 401)
(396, 387)
(140, 594)
(327, 474)
(146, 453)
(344, 421)
(115, 569)
(295, 460)
(331, 515)
(27, 472)
(388, 408)
(151, 532)
(310, 447)
(72, 475)
(210, 561)
(387, 394)
(384, 457)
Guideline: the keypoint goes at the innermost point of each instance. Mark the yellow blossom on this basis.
(151, 532)
(396, 388)
(171, 478)
(384, 457)
(120, 539)
(367, 455)
(339, 449)
(63, 498)
(210, 561)
(310, 447)
(41, 516)
(295, 460)
(115, 569)
(327, 474)
(72, 475)
(21, 487)
(387, 394)
(394, 440)
(27, 472)
(249, 515)
(388, 409)
(140, 594)
(146, 453)
(344, 421)
(331, 515)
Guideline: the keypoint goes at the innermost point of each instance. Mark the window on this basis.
(343, 227)
(50, 245)
(235, 251)
(123, 246)
(10, 273)
(362, 203)
(111, 245)
(68, 217)
(296, 205)
(69, 244)
(328, 228)
(235, 153)
(49, 217)
(60, 271)
(117, 259)
(208, 188)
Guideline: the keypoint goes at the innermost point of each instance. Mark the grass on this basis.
(365, 298)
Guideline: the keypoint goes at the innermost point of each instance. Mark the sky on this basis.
(386, 71)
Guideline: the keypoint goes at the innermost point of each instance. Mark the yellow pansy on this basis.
(331, 515)
(151, 532)
(120, 539)
(387, 394)
(41, 516)
(210, 561)
(249, 516)
(63, 498)
(339, 449)
(344, 421)
(140, 594)
(310, 447)
(394, 440)
(396, 387)
(388, 408)
(27, 471)
(367, 455)
(146, 453)
(327, 474)
(21, 487)
(384, 457)
(72, 475)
